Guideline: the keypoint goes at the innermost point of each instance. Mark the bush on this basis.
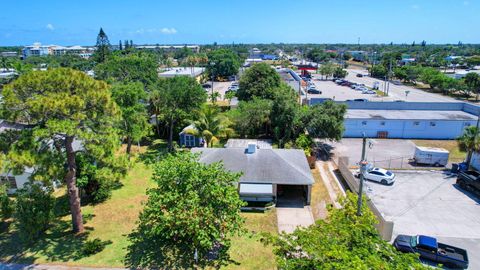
(6, 207)
(94, 246)
(34, 211)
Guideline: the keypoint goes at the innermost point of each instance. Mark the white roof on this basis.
(257, 189)
(180, 71)
(432, 149)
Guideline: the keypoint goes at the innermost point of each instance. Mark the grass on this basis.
(456, 155)
(247, 250)
(380, 93)
(113, 220)
(320, 197)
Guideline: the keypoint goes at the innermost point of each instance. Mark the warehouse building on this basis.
(408, 120)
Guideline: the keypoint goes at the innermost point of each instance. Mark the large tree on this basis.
(325, 120)
(69, 111)
(222, 63)
(343, 240)
(131, 98)
(176, 99)
(469, 142)
(103, 47)
(189, 216)
(133, 67)
(472, 81)
(260, 80)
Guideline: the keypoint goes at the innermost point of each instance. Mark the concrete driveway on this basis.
(291, 212)
(429, 202)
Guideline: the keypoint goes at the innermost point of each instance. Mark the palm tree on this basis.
(211, 125)
(470, 142)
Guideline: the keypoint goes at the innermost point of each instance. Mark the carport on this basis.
(293, 195)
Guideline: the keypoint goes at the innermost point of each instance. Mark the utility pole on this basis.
(363, 164)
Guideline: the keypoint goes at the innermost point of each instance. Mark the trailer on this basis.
(431, 156)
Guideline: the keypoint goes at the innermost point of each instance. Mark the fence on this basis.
(395, 163)
(384, 227)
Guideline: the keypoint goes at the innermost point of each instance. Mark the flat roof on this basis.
(180, 71)
(408, 114)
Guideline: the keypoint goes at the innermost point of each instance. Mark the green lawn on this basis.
(456, 155)
(112, 221)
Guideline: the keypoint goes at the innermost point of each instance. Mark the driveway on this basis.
(429, 202)
(291, 212)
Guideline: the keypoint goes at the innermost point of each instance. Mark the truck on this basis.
(470, 181)
(430, 249)
(430, 156)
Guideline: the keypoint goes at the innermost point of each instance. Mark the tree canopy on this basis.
(222, 63)
(189, 216)
(64, 108)
(342, 241)
(260, 80)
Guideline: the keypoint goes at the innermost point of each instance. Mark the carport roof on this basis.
(409, 115)
(276, 166)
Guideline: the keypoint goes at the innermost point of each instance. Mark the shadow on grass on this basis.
(58, 244)
(154, 152)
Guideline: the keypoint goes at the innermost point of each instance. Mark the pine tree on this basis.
(125, 44)
(103, 47)
(120, 47)
(131, 43)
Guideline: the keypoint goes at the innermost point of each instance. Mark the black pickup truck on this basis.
(470, 181)
(430, 249)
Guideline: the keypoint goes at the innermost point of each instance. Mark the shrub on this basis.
(94, 246)
(34, 211)
(6, 207)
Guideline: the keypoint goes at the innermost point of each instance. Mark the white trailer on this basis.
(431, 156)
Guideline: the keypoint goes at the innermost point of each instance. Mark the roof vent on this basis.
(252, 148)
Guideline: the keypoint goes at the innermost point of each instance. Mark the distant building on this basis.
(187, 139)
(194, 72)
(41, 50)
(359, 55)
(255, 53)
(406, 61)
(8, 54)
(169, 48)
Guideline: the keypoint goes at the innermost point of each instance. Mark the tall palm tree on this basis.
(211, 125)
(470, 142)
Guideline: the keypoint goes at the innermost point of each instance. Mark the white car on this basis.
(361, 88)
(379, 175)
(368, 91)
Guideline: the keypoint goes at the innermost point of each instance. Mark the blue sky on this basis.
(240, 21)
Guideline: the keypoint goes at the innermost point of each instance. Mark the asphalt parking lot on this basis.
(340, 93)
(385, 153)
(429, 203)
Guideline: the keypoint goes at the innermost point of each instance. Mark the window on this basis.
(466, 124)
(364, 123)
(432, 124)
(382, 123)
(416, 123)
(9, 181)
(189, 141)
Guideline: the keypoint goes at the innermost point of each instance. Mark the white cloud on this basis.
(168, 31)
(50, 27)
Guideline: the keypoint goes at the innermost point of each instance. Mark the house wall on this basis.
(21, 180)
(183, 140)
(406, 129)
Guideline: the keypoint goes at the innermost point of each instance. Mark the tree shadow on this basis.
(57, 244)
(154, 152)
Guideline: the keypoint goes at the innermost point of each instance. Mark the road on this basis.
(397, 92)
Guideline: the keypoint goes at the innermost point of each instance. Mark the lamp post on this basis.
(363, 165)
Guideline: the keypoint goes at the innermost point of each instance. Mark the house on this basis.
(267, 174)
(189, 140)
(37, 49)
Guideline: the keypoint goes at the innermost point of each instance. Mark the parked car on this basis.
(431, 156)
(361, 88)
(207, 85)
(345, 83)
(314, 91)
(368, 91)
(396, 82)
(470, 181)
(359, 75)
(339, 81)
(379, 175)
(232, 78)
(361, 100)
(233, 88)
(429, 248)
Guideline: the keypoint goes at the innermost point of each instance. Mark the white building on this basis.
(41, 50)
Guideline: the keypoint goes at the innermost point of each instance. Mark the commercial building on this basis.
(408, 120)
(194, 72)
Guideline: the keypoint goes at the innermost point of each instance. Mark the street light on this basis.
(363, 164)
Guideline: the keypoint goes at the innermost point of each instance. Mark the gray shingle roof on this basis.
(277, 166)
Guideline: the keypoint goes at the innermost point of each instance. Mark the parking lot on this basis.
(429, 203)
(385, 153)
(396, 92)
